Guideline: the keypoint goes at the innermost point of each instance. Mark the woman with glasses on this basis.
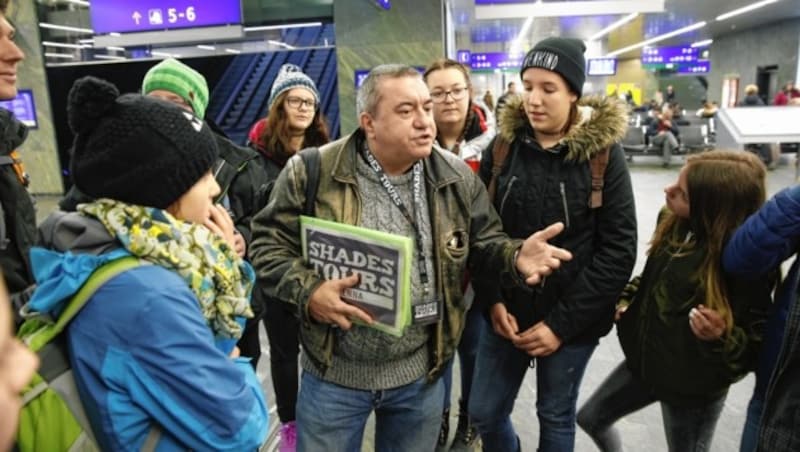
(462, 128)
(294, 122)
(556, 143)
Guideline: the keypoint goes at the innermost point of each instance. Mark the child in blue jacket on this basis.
(154, 348)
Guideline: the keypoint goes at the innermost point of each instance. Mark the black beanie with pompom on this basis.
(135, 149)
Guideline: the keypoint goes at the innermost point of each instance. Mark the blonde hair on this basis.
(751, 89)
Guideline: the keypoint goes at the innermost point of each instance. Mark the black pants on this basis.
(250, 344)
(283, 328)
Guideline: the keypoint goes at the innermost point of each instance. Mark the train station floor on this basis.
(641, 431)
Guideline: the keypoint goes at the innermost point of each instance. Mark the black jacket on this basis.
(659, 345)
(270, 165)
(751, 100)
(539, 187)
(243, 181)
(18, 213)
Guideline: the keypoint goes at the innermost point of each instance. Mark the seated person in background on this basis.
(678, 116)
(153, 347)
(653, 115)
(665, 135)
(787, 94)
(708, 110)
(762, 150)
(751, 98)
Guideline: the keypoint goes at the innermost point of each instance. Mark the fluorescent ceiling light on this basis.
(613, 26)
(115, 34)
(162, 54)
(65, 45)
(281, 27)
(86, 41)
(702, 43)
(205, 47)
(110, 57)
(60, 55)
(65, 28)
(658, 38)
(567, 8)
(233, 51)
(745, 9)
(280, 44)
(516, 45)
(79, 2)
(118, 49)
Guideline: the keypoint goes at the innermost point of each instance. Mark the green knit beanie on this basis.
(173, 76)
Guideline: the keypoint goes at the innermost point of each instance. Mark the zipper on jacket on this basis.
(505, 196)
(564, 203)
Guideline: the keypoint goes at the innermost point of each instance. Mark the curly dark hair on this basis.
(3, 6)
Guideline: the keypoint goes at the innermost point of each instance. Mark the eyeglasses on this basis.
(296, 102)
(456, 93)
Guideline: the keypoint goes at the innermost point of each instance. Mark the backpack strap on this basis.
(99, 277)
(479, 113)
(598, 164)
(15, 162)
(312, 161)
(499, 155)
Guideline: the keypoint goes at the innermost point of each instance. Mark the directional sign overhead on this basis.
(121, 16)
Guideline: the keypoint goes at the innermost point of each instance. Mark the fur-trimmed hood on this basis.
(601, 122)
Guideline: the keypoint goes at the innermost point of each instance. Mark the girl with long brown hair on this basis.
(688, 329)
(294, 122)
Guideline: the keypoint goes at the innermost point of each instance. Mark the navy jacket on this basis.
(766, 239)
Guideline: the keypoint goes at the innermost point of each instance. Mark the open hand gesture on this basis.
(537, 258)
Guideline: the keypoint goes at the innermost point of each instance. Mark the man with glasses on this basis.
(387, 176)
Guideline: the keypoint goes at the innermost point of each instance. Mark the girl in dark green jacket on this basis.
(688, 331)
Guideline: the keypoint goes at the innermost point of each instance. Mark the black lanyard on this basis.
(395, 197)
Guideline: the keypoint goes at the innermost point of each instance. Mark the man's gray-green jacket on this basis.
(466, 233)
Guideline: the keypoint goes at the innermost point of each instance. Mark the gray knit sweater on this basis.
(365, 358)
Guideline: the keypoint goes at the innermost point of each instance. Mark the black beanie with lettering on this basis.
(135, 149)
(563, 56)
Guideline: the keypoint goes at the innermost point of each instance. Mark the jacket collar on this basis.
(439, 166)
(600, 122)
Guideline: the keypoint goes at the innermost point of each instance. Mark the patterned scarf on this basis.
(218, 277)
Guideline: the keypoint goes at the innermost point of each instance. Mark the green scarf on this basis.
(220, 279)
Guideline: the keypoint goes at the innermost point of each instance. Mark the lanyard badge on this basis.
(429, 311)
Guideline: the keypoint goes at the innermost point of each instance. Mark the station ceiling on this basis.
(469, 20)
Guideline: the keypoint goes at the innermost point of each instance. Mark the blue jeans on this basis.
(332, 417)
(750, 430)
(621, 393)
(499, 370)
(467, 352)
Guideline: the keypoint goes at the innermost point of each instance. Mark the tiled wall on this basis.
(411, 32)
(39, 151)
